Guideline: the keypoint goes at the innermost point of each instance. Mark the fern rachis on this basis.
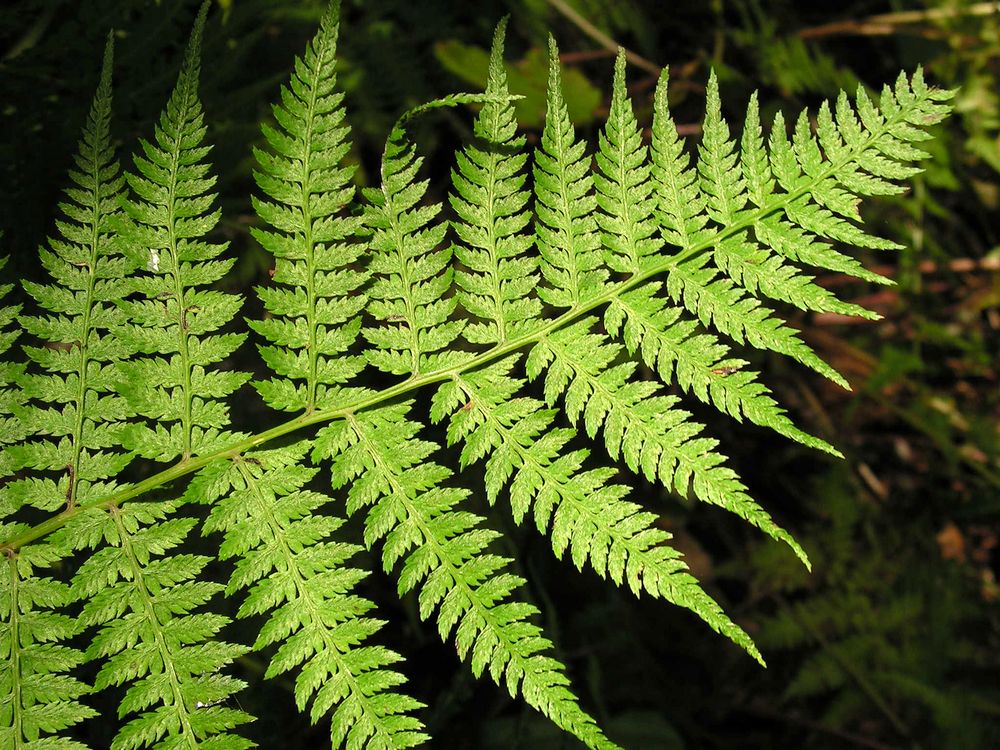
(633, 253)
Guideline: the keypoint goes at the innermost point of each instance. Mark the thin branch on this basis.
(601, 38)
(885, 24)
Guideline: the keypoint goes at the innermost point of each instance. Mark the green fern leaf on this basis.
(587, 515)
(180, 385)
(721, 182)
(76, 359)
(717, 302)
(12, 430)
(73, 420)
(274, 527)
(143, 595)
(624, 188)
(698, 362)
(568, 240)
(316, 300)
(408, 295)
(130, 358)
(378, 454)
(491, 203)
(681, 206)
(643, 428)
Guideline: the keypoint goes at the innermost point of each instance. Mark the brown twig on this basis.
(601, 38)
(885, 24)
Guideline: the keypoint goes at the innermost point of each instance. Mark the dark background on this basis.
(893, 640)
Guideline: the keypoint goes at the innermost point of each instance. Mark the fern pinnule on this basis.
(568, 241)
(175, 318)
(290, 568)
(624, 188)
(491, 203)
(379, 455)
(316, 297)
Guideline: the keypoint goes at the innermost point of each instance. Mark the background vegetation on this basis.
(893, 641)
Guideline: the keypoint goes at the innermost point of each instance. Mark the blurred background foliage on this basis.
(893, 641)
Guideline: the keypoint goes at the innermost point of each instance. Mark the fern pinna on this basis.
(557, 265)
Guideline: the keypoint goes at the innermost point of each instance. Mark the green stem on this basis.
(612, 292)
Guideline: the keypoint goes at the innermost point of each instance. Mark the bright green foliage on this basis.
(587, 515)
(411, 276)
(143, 595)
(73, 420)
(568, 241)
(386, 466)
(38, 700)
(174, 317)
(11, 398)
(491, 203)
(275, 530)
(316, 298)
(624, 188)
(74, 366)
(643, 256)
(698, 362)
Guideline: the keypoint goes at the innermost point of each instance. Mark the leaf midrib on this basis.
(193, 464)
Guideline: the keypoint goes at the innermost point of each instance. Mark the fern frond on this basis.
(69, 427)
(12, 430)
(624, 188)
(412, 272)
(860, 151)
(640, 426)
(132, 358)
(292, 571)
(72, 384)
(378, 454)
(139, 591)
(587, 515)
(568, 240)
(722, 304)
(687, 204)
(317, 298)
(142, 594)
(698, 362)
(180, 384)
(38, 699)
(721, 182)
(491, 203)
(680, 203)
